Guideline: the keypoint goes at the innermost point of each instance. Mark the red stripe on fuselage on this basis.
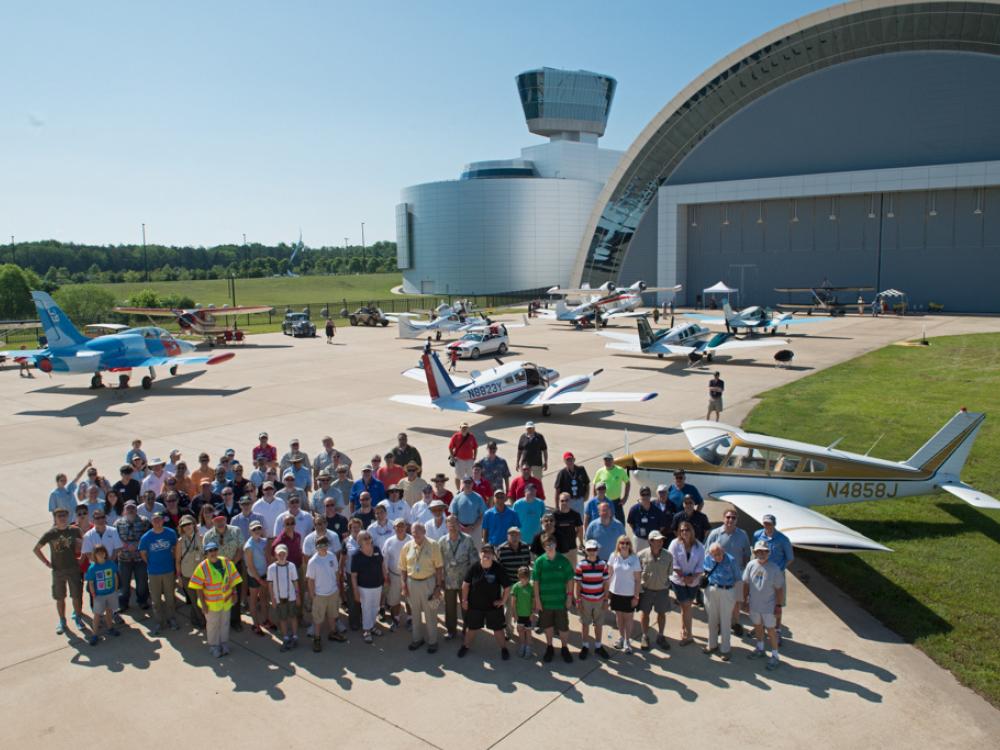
(431, 385)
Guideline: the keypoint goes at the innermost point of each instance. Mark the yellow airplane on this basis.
(761, 475)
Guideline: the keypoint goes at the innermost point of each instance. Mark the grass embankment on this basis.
(939, 589)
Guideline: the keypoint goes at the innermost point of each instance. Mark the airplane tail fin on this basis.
(946, 452)
(439, 384)
(728, 310)
(59, 331)
(645, 332)
(561, 307)
(406, 329)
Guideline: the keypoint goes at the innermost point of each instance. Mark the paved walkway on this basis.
(845, 680)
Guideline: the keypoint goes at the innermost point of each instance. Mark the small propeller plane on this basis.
(200, 321)
(685, 341)
(606, 302)
(446, 319)
(752, 319)
(511, 384)
(761, 475)
(70, 352)
(823, 298)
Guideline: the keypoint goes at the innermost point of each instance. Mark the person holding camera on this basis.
(462, 450)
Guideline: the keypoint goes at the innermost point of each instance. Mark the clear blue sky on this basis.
(207, 120)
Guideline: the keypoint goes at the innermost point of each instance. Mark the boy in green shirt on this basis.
(523, 594)
(553, 575)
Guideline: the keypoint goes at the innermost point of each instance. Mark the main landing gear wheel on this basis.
(502, 349)
(475, 353)
(546, 410)
(147, 383)
(173, 370)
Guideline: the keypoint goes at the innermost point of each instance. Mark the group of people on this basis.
(300, 541)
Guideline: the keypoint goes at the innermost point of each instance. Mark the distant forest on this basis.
(58, 263)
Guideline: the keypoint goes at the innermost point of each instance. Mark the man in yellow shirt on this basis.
(216, 581)
(616, 482)
(422, 569)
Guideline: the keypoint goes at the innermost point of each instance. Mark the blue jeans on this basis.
(126, 570)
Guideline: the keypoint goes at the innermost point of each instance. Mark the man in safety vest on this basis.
(216, 582)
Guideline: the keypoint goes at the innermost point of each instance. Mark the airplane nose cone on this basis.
(626, 462)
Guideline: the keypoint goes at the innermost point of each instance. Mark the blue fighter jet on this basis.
(68, 351)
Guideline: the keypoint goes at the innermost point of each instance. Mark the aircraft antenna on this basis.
(877, 440)
(836, 442)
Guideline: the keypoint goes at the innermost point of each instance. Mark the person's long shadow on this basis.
(112, 653)
(637, 677)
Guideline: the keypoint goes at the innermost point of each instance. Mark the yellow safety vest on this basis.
(216, 587)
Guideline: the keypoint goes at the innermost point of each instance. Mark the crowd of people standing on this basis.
(295, 542)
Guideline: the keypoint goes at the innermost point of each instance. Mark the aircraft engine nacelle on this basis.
(186, 321)
(44, 364)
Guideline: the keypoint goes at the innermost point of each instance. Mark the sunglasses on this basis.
(81, 512)
(289, 523)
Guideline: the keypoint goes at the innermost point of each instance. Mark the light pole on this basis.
(145, 258)
(13, 253)
(246, 254)
(363, 246)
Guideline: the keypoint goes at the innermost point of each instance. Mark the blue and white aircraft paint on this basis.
(512, 384)
(753, 319)
(69, 352)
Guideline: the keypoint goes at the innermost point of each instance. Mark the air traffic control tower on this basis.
(513, 225)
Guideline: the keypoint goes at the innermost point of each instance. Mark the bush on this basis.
(84, 303)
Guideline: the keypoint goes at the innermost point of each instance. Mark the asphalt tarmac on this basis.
(845, 681)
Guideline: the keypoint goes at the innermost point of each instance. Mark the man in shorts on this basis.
(656, 564)
(591, 595)
(64, 543)
(716, 386)
(484, 593)
(553, 576)
(763, 588)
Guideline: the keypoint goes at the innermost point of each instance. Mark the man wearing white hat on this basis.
(157, 476)
(763, 588)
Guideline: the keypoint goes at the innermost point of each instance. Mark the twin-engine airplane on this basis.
(606, 302)
(763, 475)
(514, 384)
(688, 341)
(70, 352)
(752, 319)
(201, 321)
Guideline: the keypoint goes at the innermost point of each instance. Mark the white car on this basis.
(490, 340)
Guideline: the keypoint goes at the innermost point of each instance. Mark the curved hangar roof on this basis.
(839, 34)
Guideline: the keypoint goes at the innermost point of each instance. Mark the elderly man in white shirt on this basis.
(396, 507)
(391, 549)
(157, 476)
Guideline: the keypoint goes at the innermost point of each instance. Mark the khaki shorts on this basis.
(105, 604)
(651, 599)
(769, 619)
(394, 591)
(591, 613)
(325, 607)
(61, 579)
(715, 404)
(554, 618)
(463, 467)
(286, 610)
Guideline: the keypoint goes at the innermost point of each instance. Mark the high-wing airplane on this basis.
(70, 352)
(201, 321)
(686, 341)
(752, 319)
(513, 384)
(761, 475)
(823, 298)
(605, 302)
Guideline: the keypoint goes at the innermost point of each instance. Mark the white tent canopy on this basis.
(720, 288)
(892, 293)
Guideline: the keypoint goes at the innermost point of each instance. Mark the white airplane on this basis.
(606, 302)
(447, 319)
(514, 384)
(761, 475)
(753, 319)
(685, 341)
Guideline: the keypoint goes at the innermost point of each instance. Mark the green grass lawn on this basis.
(939, 589)
(276, 291)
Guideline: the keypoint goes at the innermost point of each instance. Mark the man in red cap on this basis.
(574, 481)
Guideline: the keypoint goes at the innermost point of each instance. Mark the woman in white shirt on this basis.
(688, 560)
(205, 520)
(623, 584)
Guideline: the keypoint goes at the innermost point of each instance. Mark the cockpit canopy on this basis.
(729, 452)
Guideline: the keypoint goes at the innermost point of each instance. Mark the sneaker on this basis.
(737, 629)
(432, 649)
(644, 644)
(414, 645)
(602, 652)
(317, 645)
(115, 632)
(725, 656)
(93, 639)
(78, 620)
(549, 653)
(337, 638)
(61, 627)
(310, 632)
(757, 653)
(619, 644)
(627, 649)
(462, 650)
(225, 649)
(504, 654)
(566, 655)
(539, 630)
(367, 637)
(295, 641)
(709, 650)
(772, 664)
(662, 642)
(286, 645)
(173, 624)
(583, 653)
(686, 641)
(216, 652)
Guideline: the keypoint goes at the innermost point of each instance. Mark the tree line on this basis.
(57, 263)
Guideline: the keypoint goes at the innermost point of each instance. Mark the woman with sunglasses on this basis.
(623, 586)
(205, 515)
(688, 563)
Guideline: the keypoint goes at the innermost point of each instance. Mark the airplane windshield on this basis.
(714, 452)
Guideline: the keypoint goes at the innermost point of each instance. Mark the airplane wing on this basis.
(417, 373)
(106, 326)
(735, 344)
(153, 312)
(197, 359)
(625, 338)
(796, 321)
(587, 397)
(706, 318)
(17, 354)
(803, 526)
(973, 497)
(227, 312)
(633, 314)
(444, 404)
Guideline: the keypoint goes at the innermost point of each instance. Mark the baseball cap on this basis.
(399, 522)
(245, 500)
(158, 514)
(256, 525)
(293, 441)
(130, 504)
(768, 519)
(653, 536)
(662, 488)
(268, 486)
(592, 544)
(608, 456)
(219, 517)
(281, 548)
(412, 465)
(366, 467)
(600, 486)
(262, 435)
(210, 546)
(394, 488)
(528, 424)
(761, 545)
(230, 451)
(437, 504)
(568, 455)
